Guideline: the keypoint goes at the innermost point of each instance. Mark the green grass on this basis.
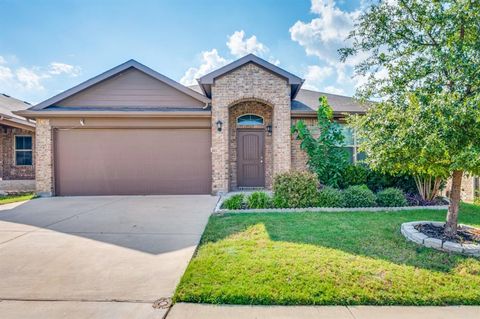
(328, 259)
(16, 198)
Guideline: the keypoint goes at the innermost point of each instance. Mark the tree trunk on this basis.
(452, 215)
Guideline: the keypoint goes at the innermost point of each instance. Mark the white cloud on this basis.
(210, 61)
(323, 36)
(240, 46)
(30, 79)
(333, 90)
(57, 68)
(5, 73)
(22, 81)
(316, 75)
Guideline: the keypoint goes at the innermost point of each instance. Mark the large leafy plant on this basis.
(326, 157)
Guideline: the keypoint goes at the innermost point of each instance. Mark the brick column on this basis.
(220, 141)
(281, 135)
(43, 158)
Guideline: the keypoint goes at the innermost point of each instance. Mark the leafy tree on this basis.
(324, 147)
(428, 122)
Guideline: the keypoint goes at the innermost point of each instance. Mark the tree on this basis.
(326, 157)
(429, 55)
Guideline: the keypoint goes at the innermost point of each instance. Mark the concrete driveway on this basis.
(96, 257)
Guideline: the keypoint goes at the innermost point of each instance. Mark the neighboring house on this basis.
(17, 158)
(132, 130)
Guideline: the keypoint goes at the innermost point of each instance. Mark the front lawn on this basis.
(7, 199)
(327, 258)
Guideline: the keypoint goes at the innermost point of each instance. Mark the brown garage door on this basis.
(132, 161)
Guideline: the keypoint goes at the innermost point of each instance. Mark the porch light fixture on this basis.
(269, 129)
(219, 125)
(82, 122)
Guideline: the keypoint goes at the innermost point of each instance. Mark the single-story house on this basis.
(132, 130)
(17, 156)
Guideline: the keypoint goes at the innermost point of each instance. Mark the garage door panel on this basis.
(132, 161)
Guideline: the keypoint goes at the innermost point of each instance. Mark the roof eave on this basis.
(51, 114)
(250, 58)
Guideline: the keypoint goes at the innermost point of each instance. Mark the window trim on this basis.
(238, 117)
(21, 150)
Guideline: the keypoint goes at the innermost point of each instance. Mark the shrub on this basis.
(361, 174)
(234, 202)
(391, 197)
(359, 196)
(295, 189)
(354, 175)
(259, 200)
(330, 197)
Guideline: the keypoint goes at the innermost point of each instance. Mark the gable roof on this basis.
(112, 72)
(207, 80)
(8, 105)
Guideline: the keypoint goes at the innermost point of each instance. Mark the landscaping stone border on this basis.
(219, 210)
(408, 230)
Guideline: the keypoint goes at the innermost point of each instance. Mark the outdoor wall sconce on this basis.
(269, 129)
(82, 122)
(219, 125)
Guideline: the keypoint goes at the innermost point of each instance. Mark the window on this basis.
(351, 144)
(23, 150)
(250, 119)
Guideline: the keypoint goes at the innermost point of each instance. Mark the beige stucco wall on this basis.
(249, 83)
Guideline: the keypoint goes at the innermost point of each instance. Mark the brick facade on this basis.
(260, 109)
(299, 157)
(468, 188)
(249, 83)
(8, 168)
(44, 158)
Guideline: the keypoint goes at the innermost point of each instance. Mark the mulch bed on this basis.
(465, 235)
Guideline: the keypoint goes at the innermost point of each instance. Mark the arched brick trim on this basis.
(250, 99)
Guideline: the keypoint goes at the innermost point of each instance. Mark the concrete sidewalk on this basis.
(202, 311)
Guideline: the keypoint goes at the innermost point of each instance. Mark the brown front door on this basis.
(250, 162)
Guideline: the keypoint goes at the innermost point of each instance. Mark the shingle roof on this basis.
(8, 105)
(307, 102)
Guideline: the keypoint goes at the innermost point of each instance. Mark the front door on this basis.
(250, 162)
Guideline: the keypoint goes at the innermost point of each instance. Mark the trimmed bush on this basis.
(295, 190)
(330, 197)
(391, 197)
(361, 174)
(359, 196)
(234, 202)
(259, 200)
(354, 175)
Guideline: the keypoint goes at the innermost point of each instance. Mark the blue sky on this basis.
(49, 46)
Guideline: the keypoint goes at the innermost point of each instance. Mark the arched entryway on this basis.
(250, 145)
